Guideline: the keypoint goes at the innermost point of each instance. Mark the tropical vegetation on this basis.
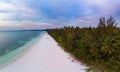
(97, 47)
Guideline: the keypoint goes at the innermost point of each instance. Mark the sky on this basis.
(41, 14)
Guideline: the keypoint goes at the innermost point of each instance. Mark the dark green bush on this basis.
(97, 47)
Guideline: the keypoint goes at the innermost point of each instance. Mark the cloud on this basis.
(15, 10)
(93, 10)
(6, 7)
(106, 7)
(56, 13)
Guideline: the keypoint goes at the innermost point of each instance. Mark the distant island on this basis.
(97, 47)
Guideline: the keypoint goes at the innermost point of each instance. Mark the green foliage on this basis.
(97, 47)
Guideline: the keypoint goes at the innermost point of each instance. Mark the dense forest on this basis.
(97, 47)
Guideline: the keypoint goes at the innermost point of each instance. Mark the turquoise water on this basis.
(12, 43)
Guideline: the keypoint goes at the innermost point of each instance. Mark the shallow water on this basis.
(12, 43)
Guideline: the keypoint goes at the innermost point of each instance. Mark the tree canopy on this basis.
(97, 47)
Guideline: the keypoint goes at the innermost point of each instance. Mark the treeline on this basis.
(98, 47)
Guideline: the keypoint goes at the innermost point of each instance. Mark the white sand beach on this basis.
(44, 56)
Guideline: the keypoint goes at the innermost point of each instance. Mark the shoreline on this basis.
(44, 56)
(13, 56)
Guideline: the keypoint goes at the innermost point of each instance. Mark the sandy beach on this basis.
(44, 56)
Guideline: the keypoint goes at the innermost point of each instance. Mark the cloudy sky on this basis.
(56, 13)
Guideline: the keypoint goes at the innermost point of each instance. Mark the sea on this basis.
(14, 43)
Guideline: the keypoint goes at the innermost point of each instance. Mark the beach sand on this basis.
(44, 56)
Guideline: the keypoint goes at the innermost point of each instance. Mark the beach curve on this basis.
(44, 56)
